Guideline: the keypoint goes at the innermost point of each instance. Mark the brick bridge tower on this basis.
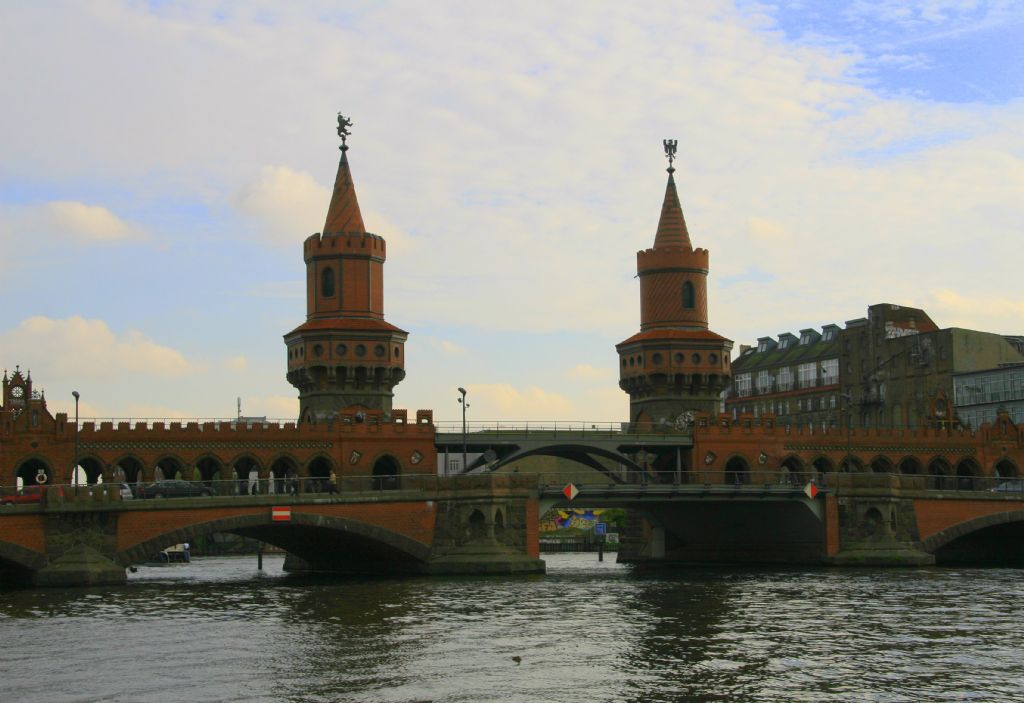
(675, 364)
(345, 354)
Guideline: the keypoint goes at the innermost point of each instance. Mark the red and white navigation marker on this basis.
(281, 514)
(811, 489)
(571, 491)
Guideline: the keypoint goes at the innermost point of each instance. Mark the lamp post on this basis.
(74, 469)
(464, 404)
(849, 421)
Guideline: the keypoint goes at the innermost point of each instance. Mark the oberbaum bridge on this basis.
(354, 485)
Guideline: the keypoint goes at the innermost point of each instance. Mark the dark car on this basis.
(171, 488)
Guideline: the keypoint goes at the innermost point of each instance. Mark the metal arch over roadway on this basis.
(580, 442)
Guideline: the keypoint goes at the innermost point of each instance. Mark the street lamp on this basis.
(464, 404)
(849, 421)
(74, 469)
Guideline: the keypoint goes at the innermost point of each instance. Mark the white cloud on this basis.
(67, 220)
(238, 364)
(502, 400)
(89, 349)
(287, 205)
(516, 193)
(588, 372)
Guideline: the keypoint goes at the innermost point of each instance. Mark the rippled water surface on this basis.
(215, 630)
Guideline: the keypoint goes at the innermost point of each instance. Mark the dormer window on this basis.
(783, 343)
(805, 338)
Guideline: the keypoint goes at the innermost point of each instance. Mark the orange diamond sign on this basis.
(571, 491)
(811, 490)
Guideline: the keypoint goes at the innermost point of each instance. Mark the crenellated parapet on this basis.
(672, 259)
(356, 244)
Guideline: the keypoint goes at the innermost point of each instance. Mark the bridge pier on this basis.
(873, 523)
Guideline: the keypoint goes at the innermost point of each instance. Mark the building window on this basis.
(327, 282)
(742, 382)
(695, 358)
(341, 349)
(656, 358)
(807, 374)
(688, 296)
(786, 378)
(830, 371)
(679, 358)
(764, 381)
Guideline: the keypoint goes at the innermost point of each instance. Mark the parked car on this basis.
(1013, 485)
(172, 488)
(25, 496)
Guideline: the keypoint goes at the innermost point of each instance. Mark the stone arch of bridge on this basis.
(737, 469)
(581, 454)
(943, 537)
(313, 538)
(131, 468)
(910, 465)
(31, 467)
(18, 561)
(170, 465)
(880, 464)
(792, 469)
(92, 467)
(1005, 468)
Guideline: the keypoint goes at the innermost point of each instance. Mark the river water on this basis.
(217, 630)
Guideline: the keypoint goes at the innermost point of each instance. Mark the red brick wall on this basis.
(413, 520)
(933, 516)
(24, 531)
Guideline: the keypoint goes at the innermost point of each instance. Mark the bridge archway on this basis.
(881, 465)
(851, 464)
(581, 454)
(966, 471)
(247, 468)
(128, 469)
(823, 465)
(17, 564)
(90, 470)
(326, 543)
(1004, 468)
(280, 468)
(319, 471)
(991, 540)
(793, 470)
(171, 467)
(737, 470)
(910, 465)
(29, 469)
(938, 471)
(386, 471)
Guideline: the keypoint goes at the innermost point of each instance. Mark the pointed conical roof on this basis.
(343, 216)
(672, 227)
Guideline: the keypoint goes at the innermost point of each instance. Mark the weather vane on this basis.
(670, 152)
(343, 124)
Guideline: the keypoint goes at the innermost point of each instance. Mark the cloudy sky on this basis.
(162, 163)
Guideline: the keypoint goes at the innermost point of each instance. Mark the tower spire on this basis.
(343, 215)
(672, 230)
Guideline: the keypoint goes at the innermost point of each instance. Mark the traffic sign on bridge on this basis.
(571, 491)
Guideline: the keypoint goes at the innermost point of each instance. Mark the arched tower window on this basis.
(688, 302)
(327, 283)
